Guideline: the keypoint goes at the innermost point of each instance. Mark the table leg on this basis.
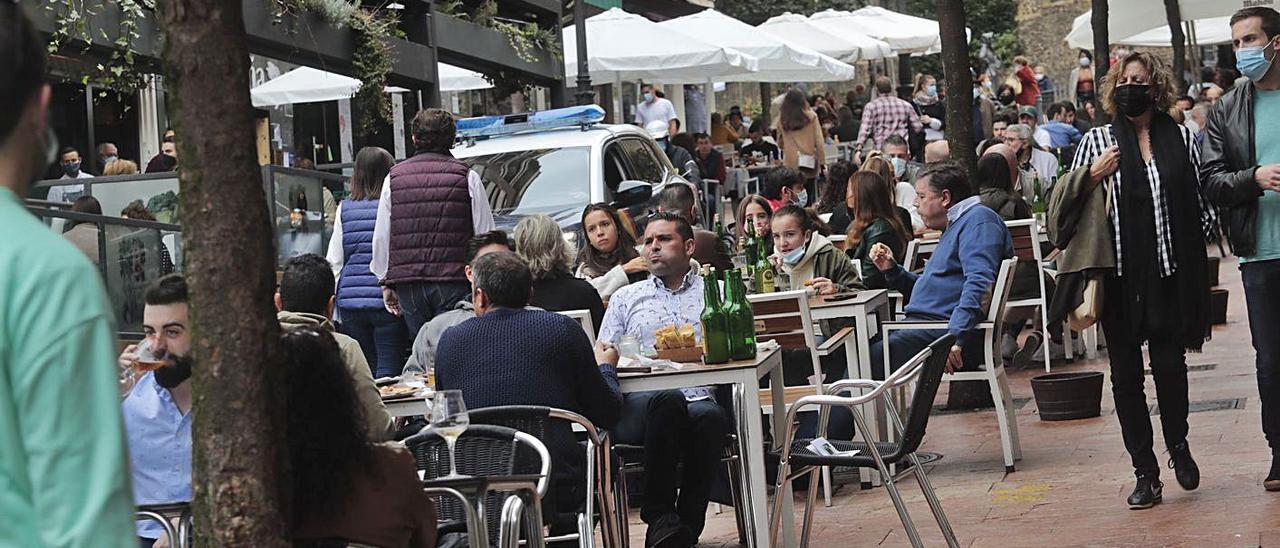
(779, 396)
(863, 328)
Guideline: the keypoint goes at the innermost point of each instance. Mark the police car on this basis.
(558, 161)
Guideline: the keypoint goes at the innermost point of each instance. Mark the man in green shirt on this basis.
(1240, 173)
(63, 474)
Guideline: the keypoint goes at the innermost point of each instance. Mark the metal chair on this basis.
(486, 451)
(993, 371)
(1026, 247)
(179, 537)
(539, 421)
(797, 458)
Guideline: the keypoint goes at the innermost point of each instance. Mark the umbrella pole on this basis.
(710, 94)
(618, 116)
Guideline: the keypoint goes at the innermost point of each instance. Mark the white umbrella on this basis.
(1131, 17)
(459, 79)
(849, 47)
(1210, 31)
(904, 33)
(623, 46)
(307, 85)
(779, 61)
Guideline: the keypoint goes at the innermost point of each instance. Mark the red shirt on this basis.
(1030, 88)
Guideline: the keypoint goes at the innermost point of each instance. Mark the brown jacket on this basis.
(1079, 225)
(385, 506)
(808, 140)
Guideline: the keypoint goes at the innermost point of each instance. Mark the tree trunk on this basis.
(240, 468)
(1101, 56)
(955, 68)
(1173, 13)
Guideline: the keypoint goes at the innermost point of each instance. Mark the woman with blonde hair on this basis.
(540, 242)
(1149, 254)
(120, 166)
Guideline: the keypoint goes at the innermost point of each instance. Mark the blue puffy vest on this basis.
(357, 286)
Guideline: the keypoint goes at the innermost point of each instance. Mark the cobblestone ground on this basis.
(1069, 489)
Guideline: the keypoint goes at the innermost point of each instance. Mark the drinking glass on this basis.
(449, 419)
(148, 359)
(628, 346)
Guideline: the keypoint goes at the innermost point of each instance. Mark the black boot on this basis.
(1184, 467)
(1147, 493)
(1272, 483)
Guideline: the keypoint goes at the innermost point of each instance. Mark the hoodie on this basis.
(379, 420)
(822, 260)
(427, 339)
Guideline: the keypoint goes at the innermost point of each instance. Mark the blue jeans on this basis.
(1262, 296)
(383, 338)
(421, 301)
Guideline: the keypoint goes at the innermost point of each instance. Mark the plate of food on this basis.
(678, 343)
(396, 391)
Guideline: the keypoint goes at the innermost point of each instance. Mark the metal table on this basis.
(472, 490)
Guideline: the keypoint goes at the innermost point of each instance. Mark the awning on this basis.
(779, 61)
(453, 78)
(1209, 31)
(906, 34)
(308, 85)
(848, 47)
(624, 46)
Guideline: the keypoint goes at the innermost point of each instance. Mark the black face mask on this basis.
(1134, 99)
(175, 373)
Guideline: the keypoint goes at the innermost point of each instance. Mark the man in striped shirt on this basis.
(887, 115)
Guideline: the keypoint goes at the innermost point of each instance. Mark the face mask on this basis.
(109, 159)
(172, 375)
(802, 198)
(648, 97)
(987, 84)
(899, 166)
(72, 169)
(1252, 62)
(1039, 76)
(1006, 99)
(1133, 99)
(932, 90)
(1084, 61)
(793, 257)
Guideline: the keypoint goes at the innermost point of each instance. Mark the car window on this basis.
(645, 165)
(615, 168)
(535, 181)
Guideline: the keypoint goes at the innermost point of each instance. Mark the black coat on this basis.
(1227, 167)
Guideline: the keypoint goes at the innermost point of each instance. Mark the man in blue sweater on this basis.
(959, 274)
(544, 359)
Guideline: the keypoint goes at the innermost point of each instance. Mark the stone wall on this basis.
(1043, 26)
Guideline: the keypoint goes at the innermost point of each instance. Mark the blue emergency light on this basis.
(494, 126)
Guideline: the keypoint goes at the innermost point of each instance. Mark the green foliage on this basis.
(372, 56)
(119, 71)
(526, 39)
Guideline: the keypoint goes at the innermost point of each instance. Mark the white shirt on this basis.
(660, 109)
(905, 198)
(1046, 167)
(481, 222)
(1042, 137)
(68, 193)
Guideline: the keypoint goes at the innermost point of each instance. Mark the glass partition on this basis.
(158, 192)
(128, 254)
(298, 209)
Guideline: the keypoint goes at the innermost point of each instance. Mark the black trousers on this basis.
(1262, 295)
(1168, 369)
(674, 431)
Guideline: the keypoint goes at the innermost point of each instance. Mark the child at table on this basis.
(806, 258)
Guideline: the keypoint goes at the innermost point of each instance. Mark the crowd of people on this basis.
(418, 278)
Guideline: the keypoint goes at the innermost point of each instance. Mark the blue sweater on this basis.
(960, 272)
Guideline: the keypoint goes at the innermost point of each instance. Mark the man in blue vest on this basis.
(431, 206)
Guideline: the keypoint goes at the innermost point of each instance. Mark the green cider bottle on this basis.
(742, 323)
(715, 322)
(764, 269)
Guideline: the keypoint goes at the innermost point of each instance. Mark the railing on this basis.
(158, 192)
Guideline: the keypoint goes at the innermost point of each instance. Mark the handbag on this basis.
(1090, 308)
(807, 161)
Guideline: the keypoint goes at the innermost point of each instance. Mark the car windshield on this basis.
(535, 181)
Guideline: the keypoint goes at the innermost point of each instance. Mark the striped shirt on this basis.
(887, 115)
(1095, 143)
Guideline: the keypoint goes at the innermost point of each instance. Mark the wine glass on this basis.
(449, 419)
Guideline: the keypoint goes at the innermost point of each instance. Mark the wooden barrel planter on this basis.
(1066, 396)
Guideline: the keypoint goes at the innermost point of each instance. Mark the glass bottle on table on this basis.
(764, 269)
(715, 323)
(449, 419)
(742, 325)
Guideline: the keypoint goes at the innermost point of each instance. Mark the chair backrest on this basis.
(1026, 241)
(918, 252)
(838, 241)
(583, 317)
(1000, 293)
(725, 149)
(482, 450)
(784, 316)
(927, 380)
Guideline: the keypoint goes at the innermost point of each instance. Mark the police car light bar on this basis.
(494, 126)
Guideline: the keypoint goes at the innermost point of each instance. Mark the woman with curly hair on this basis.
(343, 485)
(540, 242)
(1152, 259)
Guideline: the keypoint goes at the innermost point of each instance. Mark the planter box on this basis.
(1218, 305)
(467, 44)
(1214, 264)
(1066, 396)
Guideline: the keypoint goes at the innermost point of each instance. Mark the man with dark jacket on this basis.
(1240, 171)
(431, 206)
